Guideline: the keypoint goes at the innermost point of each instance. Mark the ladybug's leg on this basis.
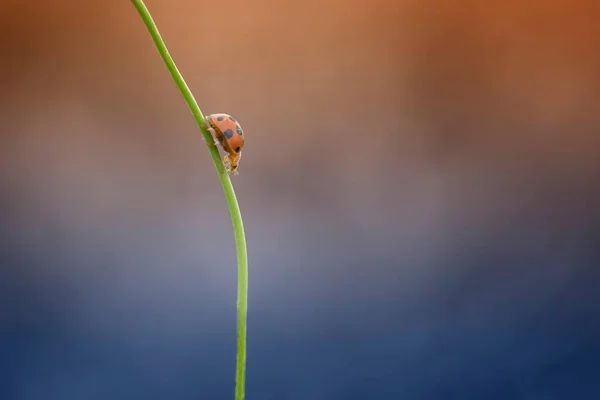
(226, 163)
(214, 135)
(213, 132)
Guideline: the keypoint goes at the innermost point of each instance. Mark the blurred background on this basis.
(419, 188)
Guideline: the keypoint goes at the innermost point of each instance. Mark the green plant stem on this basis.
(234, 209)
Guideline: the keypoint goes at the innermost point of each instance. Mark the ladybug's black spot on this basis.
(231, 119)
(220, 119)
(228, 133)
(239, 130)
(237, 149)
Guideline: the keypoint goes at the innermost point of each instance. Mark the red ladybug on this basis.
(230, 136)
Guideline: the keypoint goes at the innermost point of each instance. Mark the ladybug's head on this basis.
(232, 162)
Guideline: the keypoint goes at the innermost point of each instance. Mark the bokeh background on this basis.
(419, 188)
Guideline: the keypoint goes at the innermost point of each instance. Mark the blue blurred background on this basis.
(419, 187)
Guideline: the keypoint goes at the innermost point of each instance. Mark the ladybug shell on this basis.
(228, 131)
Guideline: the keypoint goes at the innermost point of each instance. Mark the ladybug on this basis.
(230, 136)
